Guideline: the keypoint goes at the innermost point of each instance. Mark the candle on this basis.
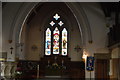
(37, 71)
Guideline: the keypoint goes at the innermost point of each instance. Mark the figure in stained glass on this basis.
(56, 41)
(64, 42)
(48, 42)
(56, 37)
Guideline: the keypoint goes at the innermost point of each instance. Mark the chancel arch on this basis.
(18, 25)
(51, 36)
(41, 21)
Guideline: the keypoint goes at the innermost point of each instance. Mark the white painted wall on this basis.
(33, 38)
(99, 31)
(115, 53)
(98, 27)
(9, 12)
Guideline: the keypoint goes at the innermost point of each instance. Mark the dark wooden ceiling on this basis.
(109, 7)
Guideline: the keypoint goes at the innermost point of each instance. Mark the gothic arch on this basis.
(26, 8)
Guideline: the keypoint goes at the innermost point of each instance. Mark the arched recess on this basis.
(26, 8)
(43, 19)
(47, 19)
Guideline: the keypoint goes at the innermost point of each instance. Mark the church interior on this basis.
(60, 40)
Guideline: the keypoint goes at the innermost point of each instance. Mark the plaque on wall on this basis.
(3, 56)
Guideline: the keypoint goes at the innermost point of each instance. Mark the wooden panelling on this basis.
(116, 68)
(102, 69)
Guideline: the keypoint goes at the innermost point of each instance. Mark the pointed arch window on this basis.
(56, 41)
(64, 41)
(48, 42)
(56, 34)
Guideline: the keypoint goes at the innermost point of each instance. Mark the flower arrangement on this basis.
(55, 64)
(18, 73)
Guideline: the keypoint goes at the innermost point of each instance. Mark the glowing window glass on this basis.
(53, 42)
(64, 42)
(56, 17)
(56, 41)
(48, 42)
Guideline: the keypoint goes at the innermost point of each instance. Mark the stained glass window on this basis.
(56, 41)
(48, 42)
(64, 42)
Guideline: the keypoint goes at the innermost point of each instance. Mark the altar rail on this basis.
(8, 69)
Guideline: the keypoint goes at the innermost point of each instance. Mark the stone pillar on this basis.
(2, 69)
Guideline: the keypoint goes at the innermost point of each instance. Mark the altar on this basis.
(54, 65)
